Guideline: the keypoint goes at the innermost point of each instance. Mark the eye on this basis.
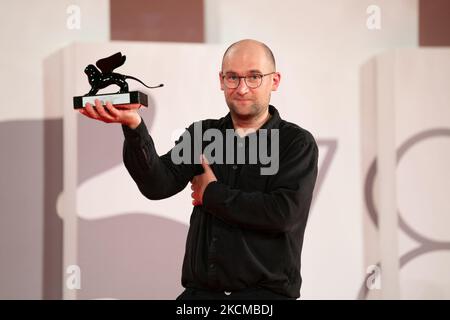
(254, 76)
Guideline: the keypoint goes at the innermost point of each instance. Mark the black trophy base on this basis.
(116, 99)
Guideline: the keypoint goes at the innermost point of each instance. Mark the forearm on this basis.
(284, 205)
(156, 177)
(278, 211)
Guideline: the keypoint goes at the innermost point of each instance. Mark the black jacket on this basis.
(249, 230)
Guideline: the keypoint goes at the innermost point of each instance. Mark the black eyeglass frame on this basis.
(245, 80)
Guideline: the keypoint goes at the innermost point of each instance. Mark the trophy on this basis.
(100, 79)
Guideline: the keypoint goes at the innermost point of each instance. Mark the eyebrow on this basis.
(250, 71)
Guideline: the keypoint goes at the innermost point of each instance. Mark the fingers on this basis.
(195, 199)
(128, 106)
(193, 181)
(104, 115)
(90, 112)
(112, 110)
(111, 114)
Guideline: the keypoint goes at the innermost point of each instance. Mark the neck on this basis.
(245, 126)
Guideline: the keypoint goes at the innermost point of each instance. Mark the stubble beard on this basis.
(255, 111)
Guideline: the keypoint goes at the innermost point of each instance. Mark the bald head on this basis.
(249, 45)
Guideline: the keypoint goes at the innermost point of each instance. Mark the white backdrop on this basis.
(334, 234)
(405, 123)
(319, 47)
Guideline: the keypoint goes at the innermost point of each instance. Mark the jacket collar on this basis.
(272, 123)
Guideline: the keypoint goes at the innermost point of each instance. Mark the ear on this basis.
(276, 78)
(222, 87)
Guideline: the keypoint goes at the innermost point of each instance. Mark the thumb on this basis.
(205, 163)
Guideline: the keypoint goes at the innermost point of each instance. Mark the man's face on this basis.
(248, 59)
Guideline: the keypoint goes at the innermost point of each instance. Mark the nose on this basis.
(242, 89)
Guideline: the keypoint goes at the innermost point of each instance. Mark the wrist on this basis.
(133, 124)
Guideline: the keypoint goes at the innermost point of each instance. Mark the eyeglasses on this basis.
(252, 81)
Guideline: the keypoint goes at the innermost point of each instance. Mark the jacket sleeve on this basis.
(281, 209)
(157, 177)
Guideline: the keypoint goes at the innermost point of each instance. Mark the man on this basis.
(247, 225)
